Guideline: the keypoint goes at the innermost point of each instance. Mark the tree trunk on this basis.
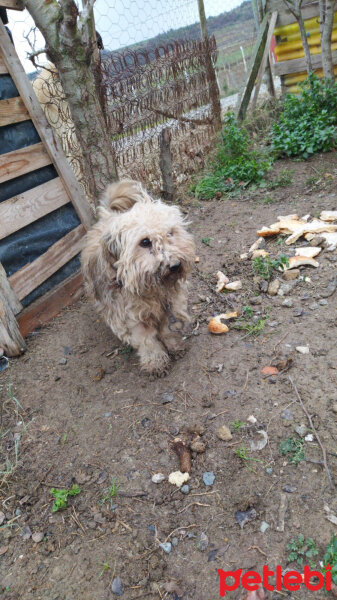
(326, 11)
(165, 163)
(210, 71)
(65, 33)
(295, 9)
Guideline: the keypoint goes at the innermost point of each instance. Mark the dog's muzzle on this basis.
(175, 267)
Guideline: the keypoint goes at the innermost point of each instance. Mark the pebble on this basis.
(117, 586)
(298, 312)
(175, 541)
(157, 478)
(26, 532)
(145, 422)
(323, 302)
(269, 470)
(309, 437)
(314, 306)
(334, 408)
(185, 489)
(263, 285)
(303, 349)
(203, 542)
(287, 414)
(38, 537)
(3, 516)
(291, 275)
(255, 300)
(62, 361)
(301, 429)
(272, 323)
(208, 477)
(167, 397)
(198, 446)
(289, 489)
(273, 287)
(223, 433)
(167, 547)
(288, 302)
(264, 526)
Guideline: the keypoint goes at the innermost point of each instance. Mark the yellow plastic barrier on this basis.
(292, 79)
(314, 40)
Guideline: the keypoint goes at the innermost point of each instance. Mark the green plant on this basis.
(300, 549)
(206, 240)
(293, 447)
(307, 124)
(267, 200)
(105, 567)
(61, 496)
(283, 179)
(330, 557)
(247, 311)
(111, 492)
(251, 328)
(126, 351)
(264, 266)
(237, 164)
(237, 424)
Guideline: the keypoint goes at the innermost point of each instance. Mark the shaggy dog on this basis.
(135, 263)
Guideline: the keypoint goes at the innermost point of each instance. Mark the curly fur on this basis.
(132, 285)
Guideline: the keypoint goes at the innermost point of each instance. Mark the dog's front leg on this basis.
(153, 357)
(171, 340)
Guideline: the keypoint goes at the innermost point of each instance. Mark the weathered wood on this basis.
(8, 293)
(21, 210)
(279, 5)
(254, 68)
(262, 68)
(32, 275)
(308, 12)
(10, 337)
(3, 68)
(45, 132)
(13, 4)
(16, 163)
(165, 163)
(47, 308)
(12, 110)
(297, 65)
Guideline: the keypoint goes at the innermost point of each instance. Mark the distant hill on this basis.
(242, 15)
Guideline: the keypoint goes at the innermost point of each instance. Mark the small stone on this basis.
(167, 547)
(255, 300)
(291, 274)
(117, 586)
(157, 478)
(334, 408)
(263, 285)
(323, 302)
(287, 414)
(289, 489)
(288, 302)
(185, 489)
(298, 312)
(264, 526)
(273, 287)
(208, 477)
(107, 415)
(178, 478)
(26, 532)
(175, 541)
(145, 422)
(309, 437)
(272, 323)
(2, 517)
(303, 349)
(167, 397)
(223, 433)
(63, 361)
(269, 470)
(301, 430)
(234, 286)
(251, 419)
(38, 537)
(198, 446)
(203, 542)
(314, 306)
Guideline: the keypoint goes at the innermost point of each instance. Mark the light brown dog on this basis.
(135, 263)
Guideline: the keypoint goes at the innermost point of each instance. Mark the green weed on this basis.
(301, 549)
(283, 179)
(254, 329)
(111, 492)
(206, 240)
(330, 557)
(105, 567)
(236, 425)
(265, 266)
(61, 496)
(293, 448)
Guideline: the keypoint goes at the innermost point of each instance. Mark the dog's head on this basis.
(144, 240)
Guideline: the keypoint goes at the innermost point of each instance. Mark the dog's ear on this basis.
(121, 196)
(110, 248)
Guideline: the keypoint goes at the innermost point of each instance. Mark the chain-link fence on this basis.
(153, 73)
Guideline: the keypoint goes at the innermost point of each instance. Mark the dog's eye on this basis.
(170, 233)
(146, 243)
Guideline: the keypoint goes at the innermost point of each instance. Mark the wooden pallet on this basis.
(21, 210)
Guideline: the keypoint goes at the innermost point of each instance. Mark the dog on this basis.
(135, 264)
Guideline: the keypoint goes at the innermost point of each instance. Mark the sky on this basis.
(123, 22)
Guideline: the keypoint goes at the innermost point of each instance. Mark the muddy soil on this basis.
(85, 414)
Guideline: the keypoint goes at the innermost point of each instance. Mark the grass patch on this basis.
(11, 414)
(265, 266)
(110, 493)
(293, 449)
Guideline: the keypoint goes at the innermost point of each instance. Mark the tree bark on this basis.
(165, 163)
(210, 71)
(326, 13)
(66, 34)
(295, 8)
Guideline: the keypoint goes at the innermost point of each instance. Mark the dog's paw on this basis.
(156, 365)
(178, 353)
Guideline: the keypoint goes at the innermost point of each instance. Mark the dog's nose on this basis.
(175, 266)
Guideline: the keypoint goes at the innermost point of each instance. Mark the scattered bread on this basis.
(216, 326)
(309, 251)
(300, 261)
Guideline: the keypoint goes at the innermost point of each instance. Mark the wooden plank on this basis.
(21, 210)
(13, 4)
(11, 340)
(297, 65)
(254, 68)
(32, 275)
(308, 12)
(45, 132)
(8, 293)
(3, 68)
(16, 163)
(12, 110)
(45, 309)
(264, 58)
(281, 7)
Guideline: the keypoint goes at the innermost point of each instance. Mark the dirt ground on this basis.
(85, 414)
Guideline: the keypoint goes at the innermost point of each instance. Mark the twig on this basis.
(192, 504)
(281, 340)
(246, 381)
(179, 528)
(325, 463)
(258, 549)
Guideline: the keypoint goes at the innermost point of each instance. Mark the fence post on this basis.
(210, 70)
(165, 163)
